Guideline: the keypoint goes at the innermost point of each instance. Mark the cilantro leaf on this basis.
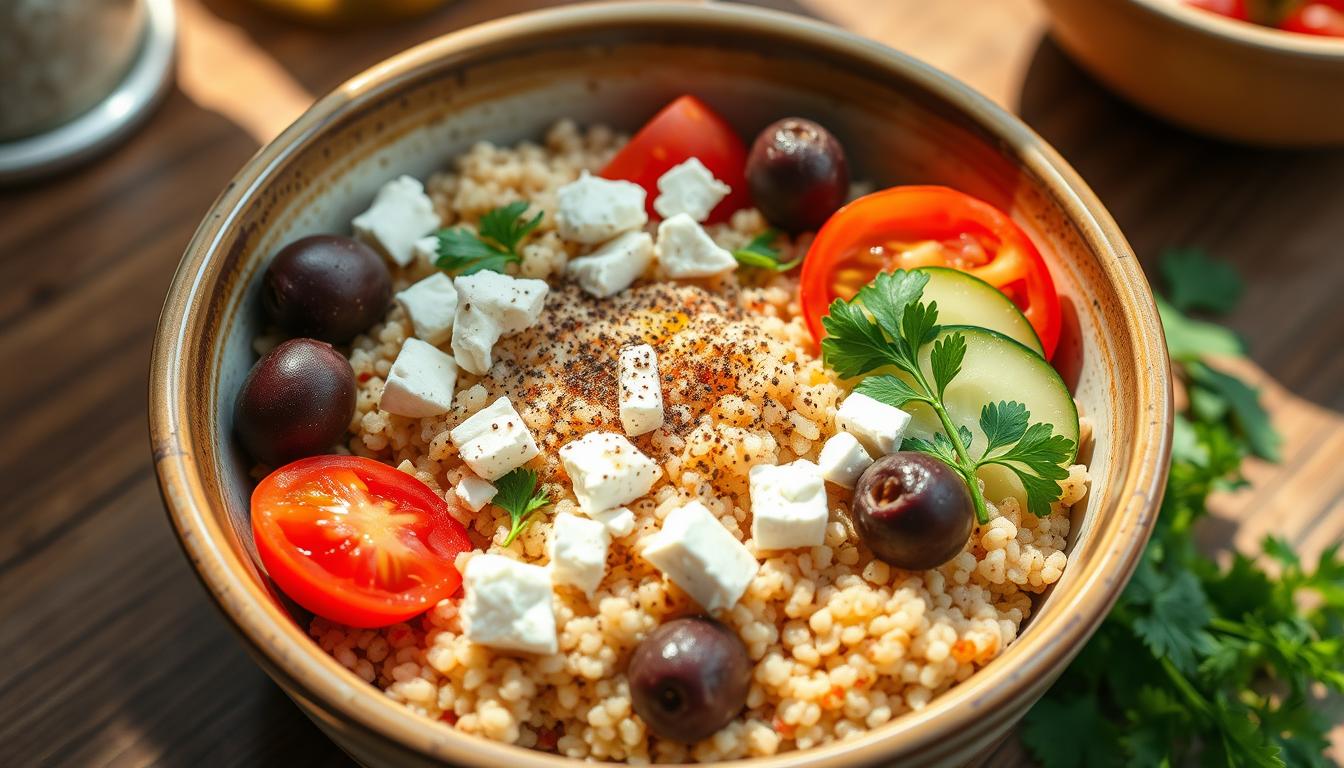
(760, 254)
(1003, 423)
(1189, 339)
(1243, 402)
(1195, 281)
(889, 389)
(1037, 459)
(945, 360)
(1176, 625)
(853, 344)
(492, 247)
(517, 494)
(1070, 733)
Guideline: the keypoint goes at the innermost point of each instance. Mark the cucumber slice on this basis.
(997, 368)
(964, 299)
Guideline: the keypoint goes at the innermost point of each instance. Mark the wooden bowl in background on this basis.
(507, 80)
(1218, 76)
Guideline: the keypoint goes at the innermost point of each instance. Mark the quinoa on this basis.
(841, 642)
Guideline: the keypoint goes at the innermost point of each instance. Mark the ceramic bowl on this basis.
(901, 120)
(1225, 78)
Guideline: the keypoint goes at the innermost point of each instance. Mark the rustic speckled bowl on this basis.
(901, 120)
(1222, 77)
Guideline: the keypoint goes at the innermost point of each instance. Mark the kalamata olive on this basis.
(797, 174)
(689, 678)
(913, 511)
(297, 401)
(327, 287)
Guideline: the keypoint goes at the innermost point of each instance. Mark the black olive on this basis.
(297, 401)
(797, 174)
(913, 511)
(689, 678)
(326, 287)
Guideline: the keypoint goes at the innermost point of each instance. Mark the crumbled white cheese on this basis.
(689, 188)
(508, 605)
(494, 441)
(431, 305)
(843, 459)
(619, 522)
(421, 381)
(593, 209)
(788, 505)
(578, 551)
(491, 305)
(699, 555)
(400, 215)
(607, 471)
(613, 267)
(426, 249)
(641, 390)
(877, 425)
(474, 492)
(685, 249)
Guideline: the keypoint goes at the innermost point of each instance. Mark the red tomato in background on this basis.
(684, 129)
(356, 541)
(1324, 19)
(1233, 9)
(965, 233)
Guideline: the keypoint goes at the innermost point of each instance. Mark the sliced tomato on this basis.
(1233, 9)
(356, 541)
(908, 227)
(684, 129)
(1324, 19)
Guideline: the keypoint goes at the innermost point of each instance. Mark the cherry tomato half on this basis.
(919, 226)
(1324, 19)
(684, 129)
(356, 541)
(1233, 9)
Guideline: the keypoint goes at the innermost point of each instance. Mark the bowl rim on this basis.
(291, 657)
(1246, 33)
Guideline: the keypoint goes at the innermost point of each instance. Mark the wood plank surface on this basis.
(114, 656)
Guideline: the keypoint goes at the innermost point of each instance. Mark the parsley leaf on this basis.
(517, 494)
(492, 247)
(1189, 339)
(760, 254)
(1195, 281)
(886, 325)
(1243, 403)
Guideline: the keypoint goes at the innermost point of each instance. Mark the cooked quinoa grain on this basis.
(841, 642)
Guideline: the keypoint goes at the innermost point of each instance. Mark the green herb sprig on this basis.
(517, 494)
(886, 324)
(492, 247)
(1202, 663)
(761, 253)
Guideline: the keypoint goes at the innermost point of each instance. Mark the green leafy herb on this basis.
(1195, 281)
(760, 253)
(886, 325)
(1202, 663)
(517, 494)
(492, 247)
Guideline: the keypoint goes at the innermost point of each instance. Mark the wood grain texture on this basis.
(114, 655)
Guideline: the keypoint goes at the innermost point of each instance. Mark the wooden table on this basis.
(112, 654)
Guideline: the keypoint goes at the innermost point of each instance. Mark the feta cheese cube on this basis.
(689, 188)
(613, 267)
(431, 304)
(594, 210)
(421, 381)
(400, 215)
(843, 459)
(607, 471)
(494, 441)
(698, 554)
(877, 425)
(491, 305)
(474, 492)
(685, 249)
(508, 605)
(641, 390)
(578, 550)
(788, 505)
(619, 522)
(426, 249)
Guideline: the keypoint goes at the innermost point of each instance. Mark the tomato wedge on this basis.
(684, 129)
(356, 541)
(1324, 19)
(921, 226)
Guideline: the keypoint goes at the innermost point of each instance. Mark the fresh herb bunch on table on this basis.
(1202, 663)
